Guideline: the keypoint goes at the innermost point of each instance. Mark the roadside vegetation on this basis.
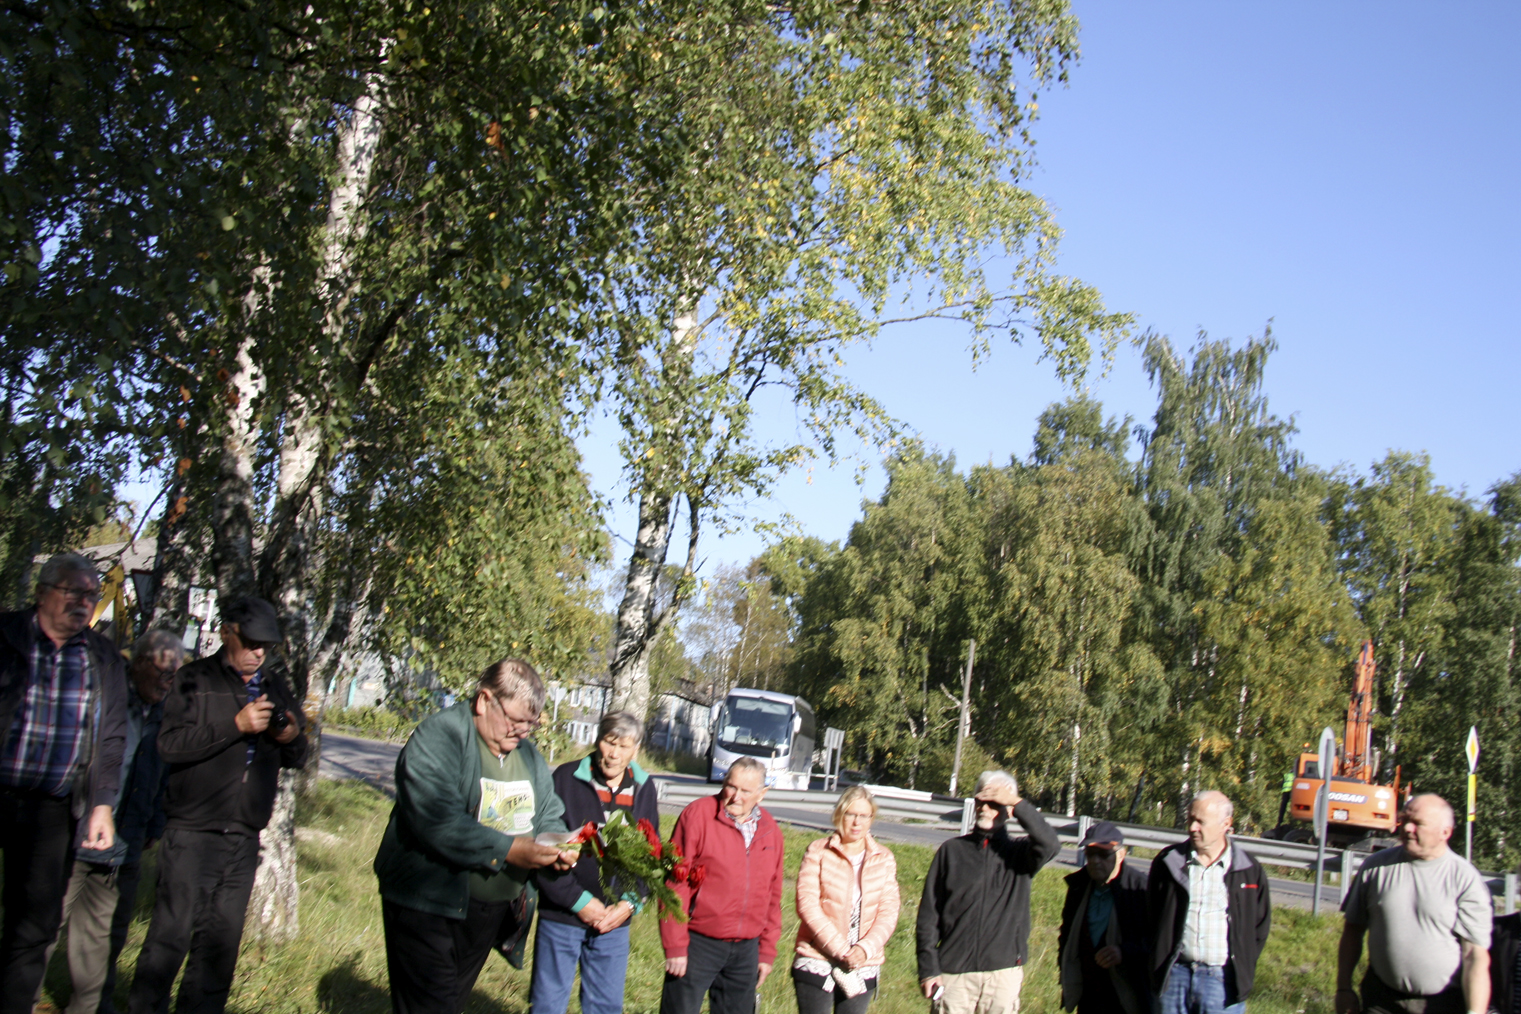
(337, 961)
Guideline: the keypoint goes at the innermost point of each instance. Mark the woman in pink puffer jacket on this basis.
(847, 906)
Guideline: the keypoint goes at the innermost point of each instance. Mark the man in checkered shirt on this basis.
(63, 733)
(1209, 899)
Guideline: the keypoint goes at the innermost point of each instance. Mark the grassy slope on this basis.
(338, 962)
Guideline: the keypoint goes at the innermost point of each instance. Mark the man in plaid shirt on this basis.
(1209, 901)
(63, 731)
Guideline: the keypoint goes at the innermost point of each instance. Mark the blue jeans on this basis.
(557, 947)
(1200, 989)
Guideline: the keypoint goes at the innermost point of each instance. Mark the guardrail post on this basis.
(1346, 875)
(1510, 892)
(1083, 824)
(660, 793)
(968, 815)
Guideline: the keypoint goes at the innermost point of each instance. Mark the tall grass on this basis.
(337, 964)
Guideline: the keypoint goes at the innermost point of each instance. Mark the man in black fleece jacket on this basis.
(974, 917)
(224, 746)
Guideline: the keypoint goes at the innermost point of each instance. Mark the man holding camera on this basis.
(230, 724)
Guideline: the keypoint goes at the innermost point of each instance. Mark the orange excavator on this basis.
(1359, 810)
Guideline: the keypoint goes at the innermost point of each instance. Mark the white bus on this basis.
(777, 729)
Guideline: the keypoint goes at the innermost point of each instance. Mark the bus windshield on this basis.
(753, 726)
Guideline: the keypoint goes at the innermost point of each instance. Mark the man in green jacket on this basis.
(471, 794)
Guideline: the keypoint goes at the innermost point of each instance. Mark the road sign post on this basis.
(1322, 808)
(1471, 749)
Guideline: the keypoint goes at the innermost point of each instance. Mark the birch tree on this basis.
(849, 156)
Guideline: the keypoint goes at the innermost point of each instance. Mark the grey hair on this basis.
(1442, 804)
(620, 725)
(988, 779)
(66, 563)
(513, 679)
(156, 641)
(1220, 799)
(747, 764)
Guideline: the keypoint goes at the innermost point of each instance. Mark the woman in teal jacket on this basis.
(454, 862)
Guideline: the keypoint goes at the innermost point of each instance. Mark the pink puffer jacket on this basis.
(824, 897)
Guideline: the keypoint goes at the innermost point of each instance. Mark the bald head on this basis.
(1426, 824)
(1440, 809)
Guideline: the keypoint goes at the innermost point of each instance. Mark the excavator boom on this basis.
(1357, 739)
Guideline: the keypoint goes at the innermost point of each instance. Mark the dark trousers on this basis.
(128, 878)
(815, 999)
(1381, 998)
(723, 970)
(204, 880)
(37, 838)
(432, 960)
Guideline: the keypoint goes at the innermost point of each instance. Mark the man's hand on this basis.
(527, 854)
(567, 859)
(676, 966)
(930, 985)
(1002, 793)
(255, 717)
(1347, 1002)
(854, 958)
(765, 970)
(616, 916)
(100, 832)
(291, 730)
(1107, 957)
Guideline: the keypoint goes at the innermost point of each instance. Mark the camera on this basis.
(278, 720)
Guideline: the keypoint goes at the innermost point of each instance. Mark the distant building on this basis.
(682, 721)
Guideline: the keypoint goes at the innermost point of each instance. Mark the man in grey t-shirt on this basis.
(1426, 913)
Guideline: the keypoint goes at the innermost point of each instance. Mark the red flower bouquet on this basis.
(630, 853)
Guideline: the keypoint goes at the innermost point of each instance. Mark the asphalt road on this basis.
(373, 761)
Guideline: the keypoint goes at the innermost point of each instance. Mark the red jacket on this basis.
(741, 896)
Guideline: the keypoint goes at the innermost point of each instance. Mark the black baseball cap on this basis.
(255, 618)
(1102, 832)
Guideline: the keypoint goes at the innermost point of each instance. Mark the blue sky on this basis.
(1347, 170)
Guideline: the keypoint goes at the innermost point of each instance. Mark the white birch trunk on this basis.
(641, 615)
(290, 559)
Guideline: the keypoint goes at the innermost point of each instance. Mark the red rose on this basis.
(650, 835)
(587, 833)
(681, 871)
(696, 876)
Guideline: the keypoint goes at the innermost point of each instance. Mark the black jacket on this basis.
(561, 897)
(1247, 901)
(99, 776)
(1129, 890)
(212, 784)
(974, 915)
(1504, 942)
(140, 814)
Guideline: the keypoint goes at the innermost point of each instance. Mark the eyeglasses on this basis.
(76, 594)
(864, 818)
(988, 804)
(517, 723)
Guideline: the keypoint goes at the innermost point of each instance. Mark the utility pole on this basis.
(966, 704)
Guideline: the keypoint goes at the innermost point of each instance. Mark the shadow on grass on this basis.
(345, 989)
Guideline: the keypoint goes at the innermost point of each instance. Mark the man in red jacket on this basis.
(728, 946)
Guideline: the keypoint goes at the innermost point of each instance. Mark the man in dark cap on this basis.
(230, 724)
(1105, 936)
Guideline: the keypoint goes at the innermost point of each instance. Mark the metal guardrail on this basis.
(950, 812)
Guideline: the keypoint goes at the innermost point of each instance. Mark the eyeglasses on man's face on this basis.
(514, 723)
(75, 594)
